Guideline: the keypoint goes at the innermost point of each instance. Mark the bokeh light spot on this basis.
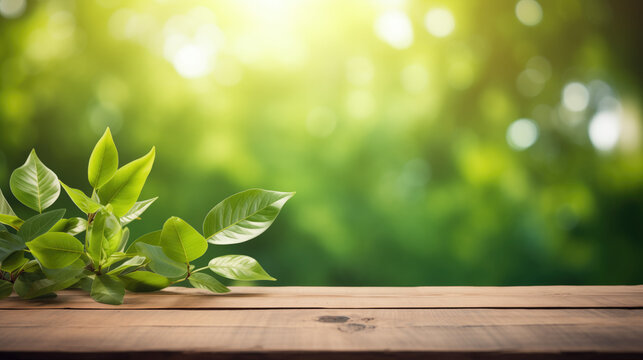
(394, 28)
(62, 25)
(118, 22)
(604, 130)
(522, 134)
(439, 22)
(540, 64)
(530, 82)
(12, 8)
(192, 42)
(575, 96)
(191, 61)
(529, 12)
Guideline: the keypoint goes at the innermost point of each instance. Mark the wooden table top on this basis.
(343, 322)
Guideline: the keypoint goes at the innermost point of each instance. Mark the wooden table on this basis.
(332, 323)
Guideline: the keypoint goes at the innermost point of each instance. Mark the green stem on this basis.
(187, 276)
(13, 279)
(199, 269)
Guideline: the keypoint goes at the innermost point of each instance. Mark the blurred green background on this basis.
(430, 143)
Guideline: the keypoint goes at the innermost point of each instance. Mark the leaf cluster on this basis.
(48, 252)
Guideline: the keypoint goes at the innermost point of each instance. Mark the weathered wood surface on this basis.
(243, 297)
(311, 323)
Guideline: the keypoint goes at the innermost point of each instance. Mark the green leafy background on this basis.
(397, 149)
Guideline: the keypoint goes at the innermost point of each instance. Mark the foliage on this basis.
(58, 256)
(400, 156)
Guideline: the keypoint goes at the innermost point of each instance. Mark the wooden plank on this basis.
(376, 333)
(358, 297)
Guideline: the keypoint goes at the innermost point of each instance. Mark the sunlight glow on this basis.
(439, 22)
(394, 28)
(191, 43)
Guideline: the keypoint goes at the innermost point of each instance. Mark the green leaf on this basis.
(94, 238)
(243, 216)
(9, 243)
(113, 234)
(136, 261)
(144, 281)
(73, 270)
(153, 238)
(5, 208)
(31, 266)
(181, 242)
(205, 281)
(84, 202)
(124, 239)
(95, 197)
(40, 224)
(103, 161)
(7, 216)
(85, 284)
(34, 185)
(5, 289)
(104, 236)
(108, 289)
(238, 267)
(14, 261)
(123, 189)
(136, 211)
(159, 262)
(13, 221)
(71, 226)
(116, 257)
(55, 249)
(31, 285)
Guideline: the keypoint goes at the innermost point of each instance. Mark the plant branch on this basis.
(199, 269)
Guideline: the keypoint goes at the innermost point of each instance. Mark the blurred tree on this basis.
(430, 143)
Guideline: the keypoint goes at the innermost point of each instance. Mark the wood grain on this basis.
(357, 297)
(518, 331)
(340, 323)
